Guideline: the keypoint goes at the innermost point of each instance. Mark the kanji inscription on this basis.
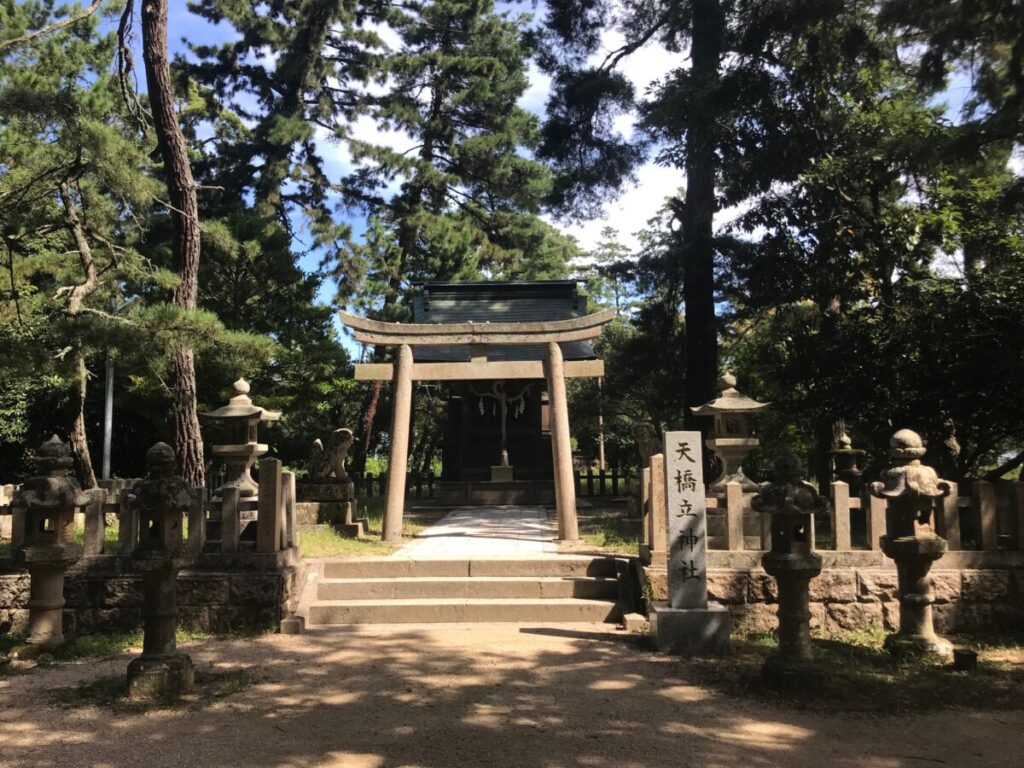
(687, 521)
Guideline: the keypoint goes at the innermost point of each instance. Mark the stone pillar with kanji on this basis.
(912, 492)
(687, 623)
(160, 502)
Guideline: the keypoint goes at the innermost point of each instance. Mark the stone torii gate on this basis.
(554, 369)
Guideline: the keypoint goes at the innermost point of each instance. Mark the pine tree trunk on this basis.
(184, 213)
(79, 444)
(698, 250)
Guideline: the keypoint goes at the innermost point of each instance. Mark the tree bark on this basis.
(698, 249)
(76, 297)
(184, 212)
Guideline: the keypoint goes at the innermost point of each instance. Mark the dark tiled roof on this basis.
(500, 302)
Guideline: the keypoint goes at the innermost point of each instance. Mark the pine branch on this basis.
(56, 26)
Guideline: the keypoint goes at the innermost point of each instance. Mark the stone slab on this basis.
(458, 611)
(690, 632)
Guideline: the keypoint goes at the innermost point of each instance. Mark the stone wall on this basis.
(863, 598)
(215, 595)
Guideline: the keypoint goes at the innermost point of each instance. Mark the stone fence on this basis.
(978, 584)
(989, 519)
(240, 563)
(226, 524)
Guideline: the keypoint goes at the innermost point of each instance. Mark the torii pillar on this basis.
(561, 446)
(398, 458)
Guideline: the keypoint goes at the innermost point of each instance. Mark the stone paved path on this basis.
(475, 532)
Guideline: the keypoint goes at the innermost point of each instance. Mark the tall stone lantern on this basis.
(912, 491)
(732, 441)
(792, 503)
(160, 502)
(239, 420)
(846, 463)
(49, 502)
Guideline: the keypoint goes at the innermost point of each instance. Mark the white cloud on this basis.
(630, 212)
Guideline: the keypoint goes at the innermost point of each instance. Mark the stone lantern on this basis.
(49, 502)
(792, 503)
(239, 419)
(912, 491)
(732, 441)
(846, 463)
(160, 501)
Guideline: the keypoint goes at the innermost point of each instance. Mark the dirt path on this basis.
(471, 695)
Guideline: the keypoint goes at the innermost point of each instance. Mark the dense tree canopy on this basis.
(871, 269)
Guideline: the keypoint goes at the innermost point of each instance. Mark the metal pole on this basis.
(108, 416)
(600, 423)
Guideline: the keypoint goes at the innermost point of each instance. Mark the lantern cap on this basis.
(241, 407)
(729, 400)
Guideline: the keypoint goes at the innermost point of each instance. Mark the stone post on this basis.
(659, 515)
(398, 458)
(269, 521)
(687, 624)
(791, 503)
(48, 503)
(160, 501)
(911, 492)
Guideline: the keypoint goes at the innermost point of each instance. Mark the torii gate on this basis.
(478, 336)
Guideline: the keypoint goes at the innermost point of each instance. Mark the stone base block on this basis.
(792, 675)
(293, 625)
(690, 631)
(160, 677)
(917, 645)
(502, 474)
(634, 622)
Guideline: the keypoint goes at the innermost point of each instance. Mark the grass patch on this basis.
(112, 693)
(93, 647)
(109, 538)
(860, 676)
(326, 542)
(610, 531)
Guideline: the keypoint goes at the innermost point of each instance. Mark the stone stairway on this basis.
(389, 590)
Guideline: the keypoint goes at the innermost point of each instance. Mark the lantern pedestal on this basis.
(914, 556)
(46, 566)
(160, 677)
(792, 668)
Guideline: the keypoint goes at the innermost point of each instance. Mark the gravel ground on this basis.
(470, 695)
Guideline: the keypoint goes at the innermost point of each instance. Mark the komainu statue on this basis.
(330, 460)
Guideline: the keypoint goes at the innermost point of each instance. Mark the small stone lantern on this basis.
(846, 463)
(240, 419)
(49, 502)
(792, 503)
(732, 442)
(912, 491)
(160, 501)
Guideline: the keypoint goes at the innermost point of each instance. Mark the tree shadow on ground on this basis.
(439, 697)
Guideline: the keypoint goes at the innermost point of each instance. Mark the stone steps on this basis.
(438, 611)
(395, 590)
(395, 567)
(479, 587)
